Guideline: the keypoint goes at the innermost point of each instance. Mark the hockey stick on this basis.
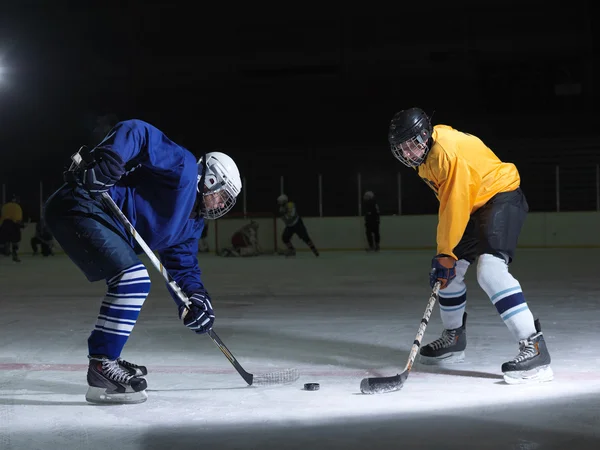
(382, 385)
(281, 377)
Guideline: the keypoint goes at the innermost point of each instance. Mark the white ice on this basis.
(338, 318)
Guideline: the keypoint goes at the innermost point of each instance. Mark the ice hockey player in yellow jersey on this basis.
(11, 223)
(482, 209)
(293, 225)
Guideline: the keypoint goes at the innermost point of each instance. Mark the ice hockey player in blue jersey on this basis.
(166, 194)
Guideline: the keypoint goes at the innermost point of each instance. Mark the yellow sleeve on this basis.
(12, 211)
(458, 187)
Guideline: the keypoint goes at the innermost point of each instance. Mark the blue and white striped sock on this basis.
(127, 292)
(505, 293)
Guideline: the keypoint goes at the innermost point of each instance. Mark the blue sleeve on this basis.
(137, 140)
(181, 262)
(127, 139)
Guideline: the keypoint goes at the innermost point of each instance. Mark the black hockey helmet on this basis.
(409, 134)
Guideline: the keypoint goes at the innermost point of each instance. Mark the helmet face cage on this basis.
(219, 192)
(217, 204)
(409, 135)
(412, 152)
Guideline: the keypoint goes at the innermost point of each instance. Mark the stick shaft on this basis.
(172, 283)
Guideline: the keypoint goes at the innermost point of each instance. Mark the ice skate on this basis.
(290, 253)
(532, 364)
(133, 369)
(109, 382)
(448, 349)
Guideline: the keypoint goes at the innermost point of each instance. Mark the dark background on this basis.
(297, 91)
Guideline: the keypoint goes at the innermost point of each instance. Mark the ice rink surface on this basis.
(338, 318)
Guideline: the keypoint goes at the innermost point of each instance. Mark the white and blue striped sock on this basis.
(127, 292)
(453, 299)
(505, 293)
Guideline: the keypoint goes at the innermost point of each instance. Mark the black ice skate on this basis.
(532, 364)
(448, 349)
(133, 369)
(110, 383)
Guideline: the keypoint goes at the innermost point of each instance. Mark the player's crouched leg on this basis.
(110, 378)
(88, 236)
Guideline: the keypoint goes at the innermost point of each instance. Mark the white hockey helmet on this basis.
(369, 195)
(282, 199)
(222, 184)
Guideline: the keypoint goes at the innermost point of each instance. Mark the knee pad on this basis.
(458, 286)
(493, 276)
(129, 288)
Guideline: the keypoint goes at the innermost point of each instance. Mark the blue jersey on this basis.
(157, 194)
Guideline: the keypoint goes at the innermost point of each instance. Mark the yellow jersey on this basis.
(464, 174)
(288, 214)
(11, 211)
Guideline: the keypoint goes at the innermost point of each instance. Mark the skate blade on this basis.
(537, 375)
(99, 395)
(450, 358)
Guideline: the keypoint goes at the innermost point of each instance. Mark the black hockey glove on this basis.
(443, 269)
(199, 316)
(99, 175)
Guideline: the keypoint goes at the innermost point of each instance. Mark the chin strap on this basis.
(199, 210)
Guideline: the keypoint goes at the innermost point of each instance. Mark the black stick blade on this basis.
(383, 385)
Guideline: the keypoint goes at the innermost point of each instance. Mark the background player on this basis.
(371, 213)
(293, 225)
(11, 223)
(244, 241)
(482, 209)
(166, 195)
(42, 238)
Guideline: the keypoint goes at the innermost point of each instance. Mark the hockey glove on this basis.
(443, 269)
(99, 175)
(199, 316)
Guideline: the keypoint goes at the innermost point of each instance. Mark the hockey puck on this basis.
(311, 386)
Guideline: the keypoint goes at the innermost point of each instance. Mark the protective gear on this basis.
(443, 269)
(368, 196)
(282, 199)
(409, 134)
(532, 364)
(453, 299)
(449, 348)
(133, 369)
(506, 294)
(99, 175)
(116, 321)
(109, 382)
(222, 184)
(199, 316)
